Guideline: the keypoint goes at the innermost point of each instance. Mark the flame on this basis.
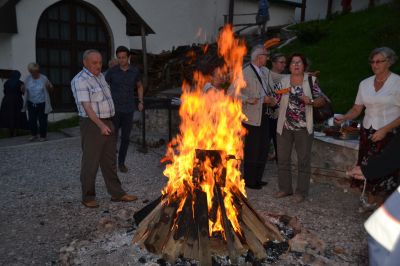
(210, 121)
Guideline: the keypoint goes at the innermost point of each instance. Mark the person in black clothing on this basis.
(380, 165)
(124, 79)
(11, 116)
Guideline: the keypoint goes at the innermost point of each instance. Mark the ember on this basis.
(203, 209)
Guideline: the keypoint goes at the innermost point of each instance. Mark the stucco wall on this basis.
(177, 22)
(20, 47)
(183, 22)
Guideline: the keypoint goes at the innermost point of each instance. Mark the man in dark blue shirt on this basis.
(124, 79)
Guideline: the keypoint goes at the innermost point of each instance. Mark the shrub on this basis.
(312, 32)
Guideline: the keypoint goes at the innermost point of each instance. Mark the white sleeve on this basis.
(359, 98)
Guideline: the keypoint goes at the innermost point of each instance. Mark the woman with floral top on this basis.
(295, 126)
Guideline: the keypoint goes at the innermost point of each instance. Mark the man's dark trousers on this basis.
(255, 151)
(98, 150)
(124, 121)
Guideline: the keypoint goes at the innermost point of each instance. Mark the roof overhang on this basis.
(134, 22)
(8, 16)
(285, 3)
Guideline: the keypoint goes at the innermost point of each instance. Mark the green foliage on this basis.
(52, 127)
(309, 33)
(342, 55)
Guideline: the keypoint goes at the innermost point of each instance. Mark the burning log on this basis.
(176, 228)
(159, 234)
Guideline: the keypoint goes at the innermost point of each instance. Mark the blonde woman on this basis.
(37, 101)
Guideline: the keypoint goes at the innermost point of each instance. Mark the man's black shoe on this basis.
(123, 168)
(254, 186)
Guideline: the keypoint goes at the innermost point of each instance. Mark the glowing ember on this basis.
(210, 121)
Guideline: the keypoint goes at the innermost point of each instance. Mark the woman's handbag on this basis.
(322, 113)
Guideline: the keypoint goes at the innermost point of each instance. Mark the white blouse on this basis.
(383, 106)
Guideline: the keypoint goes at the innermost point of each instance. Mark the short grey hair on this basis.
(388, 53)
(257, 50)
(33, 67)
(276, 56)
(88, 52)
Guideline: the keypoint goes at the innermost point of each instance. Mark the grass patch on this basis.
(341, 53)
(52, 127)
(65, 123)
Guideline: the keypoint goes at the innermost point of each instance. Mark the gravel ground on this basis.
(43, 222)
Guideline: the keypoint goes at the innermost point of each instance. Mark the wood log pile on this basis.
(168, 69)
(179, 227)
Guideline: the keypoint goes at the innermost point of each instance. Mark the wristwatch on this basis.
(312, 101)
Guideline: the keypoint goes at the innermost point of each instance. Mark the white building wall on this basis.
(279, 14)
(5, 48)
(179, 22)
(21, 47)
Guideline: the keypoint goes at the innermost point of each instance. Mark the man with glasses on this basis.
(256, 99)
(96, 110)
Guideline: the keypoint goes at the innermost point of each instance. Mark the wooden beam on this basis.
(201, 218)
(231, 11)
(303, 10)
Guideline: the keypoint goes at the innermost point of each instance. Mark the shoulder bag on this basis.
(324, 112)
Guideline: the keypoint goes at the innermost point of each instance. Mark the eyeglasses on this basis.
(296, 63)
(371, 62)
(281, 62)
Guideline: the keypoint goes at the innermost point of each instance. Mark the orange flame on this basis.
(210, 121)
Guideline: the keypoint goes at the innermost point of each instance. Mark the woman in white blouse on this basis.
(379, 95)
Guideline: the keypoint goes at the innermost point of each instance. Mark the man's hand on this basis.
(252, 101)
(270, 101)
(140, 106)
(105, 130)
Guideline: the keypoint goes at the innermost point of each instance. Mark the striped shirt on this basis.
(94, 89)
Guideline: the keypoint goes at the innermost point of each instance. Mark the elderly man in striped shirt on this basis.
(96, 110)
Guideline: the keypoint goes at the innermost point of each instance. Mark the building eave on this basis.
(8, 16)
(134, 22)
(285, 3)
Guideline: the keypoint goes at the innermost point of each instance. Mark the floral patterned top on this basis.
(295, 113)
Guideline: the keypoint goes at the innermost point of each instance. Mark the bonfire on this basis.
(203, 209)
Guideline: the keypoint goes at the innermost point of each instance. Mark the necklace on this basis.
(382, 80)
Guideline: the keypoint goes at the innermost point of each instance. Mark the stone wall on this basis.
(331, 158)
(156, 121)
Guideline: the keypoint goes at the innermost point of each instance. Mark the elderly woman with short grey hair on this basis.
(37, 101)
(379, 95)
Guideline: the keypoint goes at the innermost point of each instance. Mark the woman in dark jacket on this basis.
(11, 116)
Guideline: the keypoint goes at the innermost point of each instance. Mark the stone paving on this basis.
(43, 222)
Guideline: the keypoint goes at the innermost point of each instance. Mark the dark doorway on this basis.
(65, 30)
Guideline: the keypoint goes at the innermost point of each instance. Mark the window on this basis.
(65, 30)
